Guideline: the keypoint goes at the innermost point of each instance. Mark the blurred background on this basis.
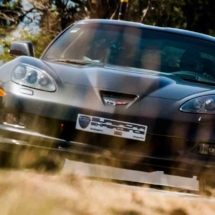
(40, 21)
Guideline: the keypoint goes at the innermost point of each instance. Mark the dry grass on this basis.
(30, 193)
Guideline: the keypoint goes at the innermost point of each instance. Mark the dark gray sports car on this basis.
(140, 95)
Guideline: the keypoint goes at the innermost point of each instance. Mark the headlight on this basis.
(30, 76)
(204, 104)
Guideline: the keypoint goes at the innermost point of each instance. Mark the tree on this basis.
(12, 12)
(195, 15)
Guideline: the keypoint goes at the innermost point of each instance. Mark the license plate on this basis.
(111, 127)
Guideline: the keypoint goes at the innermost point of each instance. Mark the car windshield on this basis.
(136, 47)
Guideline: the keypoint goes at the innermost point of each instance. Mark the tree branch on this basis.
(146, 11)
(115, 12)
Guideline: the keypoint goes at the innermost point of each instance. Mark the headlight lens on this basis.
(29, 76)
(204, 104)
(20, 72)
(32, 77)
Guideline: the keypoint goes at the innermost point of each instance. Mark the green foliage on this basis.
(195, 15)
(40, 41)
(5, 55)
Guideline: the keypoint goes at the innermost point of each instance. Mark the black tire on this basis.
(5, 161)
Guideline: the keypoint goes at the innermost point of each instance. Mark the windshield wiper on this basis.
(77, 62)
(192, 78)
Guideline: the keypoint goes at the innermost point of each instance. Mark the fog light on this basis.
(15, 120)
(206, 149)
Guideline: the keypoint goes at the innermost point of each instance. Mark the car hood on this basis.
(127, 80)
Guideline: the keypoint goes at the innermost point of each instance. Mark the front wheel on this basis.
(6, 159)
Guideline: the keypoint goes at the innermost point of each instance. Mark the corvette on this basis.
(144, 94)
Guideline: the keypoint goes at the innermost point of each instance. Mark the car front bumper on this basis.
(185, 163)
(171, 143)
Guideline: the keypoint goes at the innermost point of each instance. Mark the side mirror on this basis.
(20, 48)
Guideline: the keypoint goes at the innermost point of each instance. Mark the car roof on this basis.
(150, 27)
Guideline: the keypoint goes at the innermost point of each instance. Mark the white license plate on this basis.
(111, 127)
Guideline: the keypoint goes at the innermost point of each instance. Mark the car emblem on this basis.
(114, 102)
(84, 121)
